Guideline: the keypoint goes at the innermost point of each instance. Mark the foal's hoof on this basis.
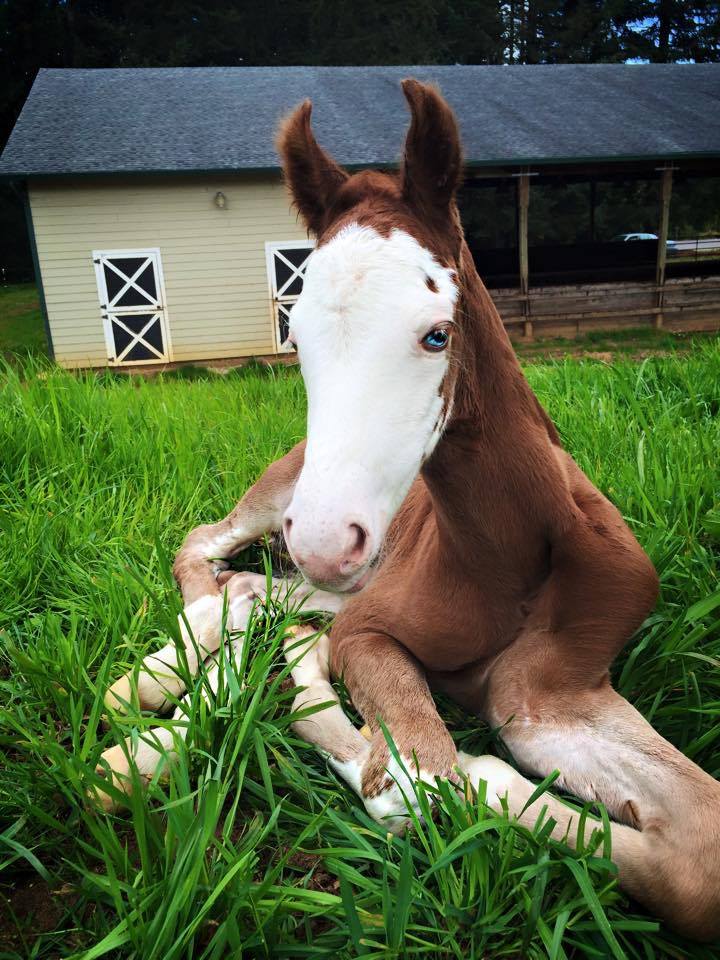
(115, 769)
(147, 692)
(395, 804)
(119, 697)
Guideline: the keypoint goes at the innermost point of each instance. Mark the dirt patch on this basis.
(28, 907)
(319, 878)
(541, 354)
(609, 348)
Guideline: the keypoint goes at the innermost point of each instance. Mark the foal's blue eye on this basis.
(436, 340)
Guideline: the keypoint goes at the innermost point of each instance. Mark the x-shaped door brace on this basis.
(296, 272)
(129, 282)
(136, 337)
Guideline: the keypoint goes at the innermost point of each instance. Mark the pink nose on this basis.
(336, 565)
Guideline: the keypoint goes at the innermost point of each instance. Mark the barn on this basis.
(162, 232)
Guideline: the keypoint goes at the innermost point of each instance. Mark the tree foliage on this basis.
(134, 33)
(186, 33)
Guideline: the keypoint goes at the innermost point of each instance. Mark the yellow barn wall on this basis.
(213, 260)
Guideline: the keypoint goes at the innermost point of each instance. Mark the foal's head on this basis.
(375, 332)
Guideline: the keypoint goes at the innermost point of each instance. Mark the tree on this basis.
(135, 33)
(669, 31)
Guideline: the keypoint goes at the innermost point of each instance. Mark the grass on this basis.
(21, 325)
(254, 848)
(629, 342)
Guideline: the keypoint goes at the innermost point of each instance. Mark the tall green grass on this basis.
(21, 323)
(254, 848)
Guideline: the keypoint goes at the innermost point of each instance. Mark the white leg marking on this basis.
(158, 680)
(329, 729)
(156, 748)
(499, 776)
(509, 789)
(390, 808)
(335, 737)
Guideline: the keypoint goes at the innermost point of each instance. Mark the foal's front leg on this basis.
(156, 748)
(386, 683)
(201, 559)
(348, 752)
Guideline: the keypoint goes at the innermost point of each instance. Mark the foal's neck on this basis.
(494, 416)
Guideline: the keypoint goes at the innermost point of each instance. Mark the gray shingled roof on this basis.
(219, 119)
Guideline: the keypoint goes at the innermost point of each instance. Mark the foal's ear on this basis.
(312, 174)
(432, 161)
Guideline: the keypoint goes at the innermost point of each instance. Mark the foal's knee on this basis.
(203, 543)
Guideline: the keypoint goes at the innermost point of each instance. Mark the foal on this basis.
(466, 550)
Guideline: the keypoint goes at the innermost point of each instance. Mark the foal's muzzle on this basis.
(330, 555)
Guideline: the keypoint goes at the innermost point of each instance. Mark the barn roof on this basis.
(222, 119)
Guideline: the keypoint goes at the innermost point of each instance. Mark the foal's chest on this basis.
(447, 624)
(452, 604)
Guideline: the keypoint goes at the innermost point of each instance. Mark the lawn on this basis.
(21, 325)
(254, 848)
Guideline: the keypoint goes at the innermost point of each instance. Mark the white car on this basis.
(624, 237)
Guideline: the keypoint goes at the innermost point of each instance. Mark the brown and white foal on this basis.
(463, 548)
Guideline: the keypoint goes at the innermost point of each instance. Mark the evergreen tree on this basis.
(135, 33)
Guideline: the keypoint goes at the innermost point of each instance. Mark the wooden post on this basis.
(523, 204)
(665, 194)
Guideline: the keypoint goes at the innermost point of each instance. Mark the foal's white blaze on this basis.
(374, 398)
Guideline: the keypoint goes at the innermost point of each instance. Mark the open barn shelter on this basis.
(162, 231)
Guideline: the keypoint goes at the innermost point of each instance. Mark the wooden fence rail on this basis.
(687, 304)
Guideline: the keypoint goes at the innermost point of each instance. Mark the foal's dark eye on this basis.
(436, 340)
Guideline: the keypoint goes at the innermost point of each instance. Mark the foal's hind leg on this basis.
(202, 557)
(667, 842)
(550, 693)
(159, 679)
(152, 752)
(666, 834)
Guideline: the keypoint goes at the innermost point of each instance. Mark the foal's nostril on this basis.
(358, 544)
(330, 556)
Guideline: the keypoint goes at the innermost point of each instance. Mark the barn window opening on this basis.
(694, 228)
(582, 228)
(132, 304)
(592, 229)
(489, 212)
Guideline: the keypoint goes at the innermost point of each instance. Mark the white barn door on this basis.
(132, 300)
(286, 265)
